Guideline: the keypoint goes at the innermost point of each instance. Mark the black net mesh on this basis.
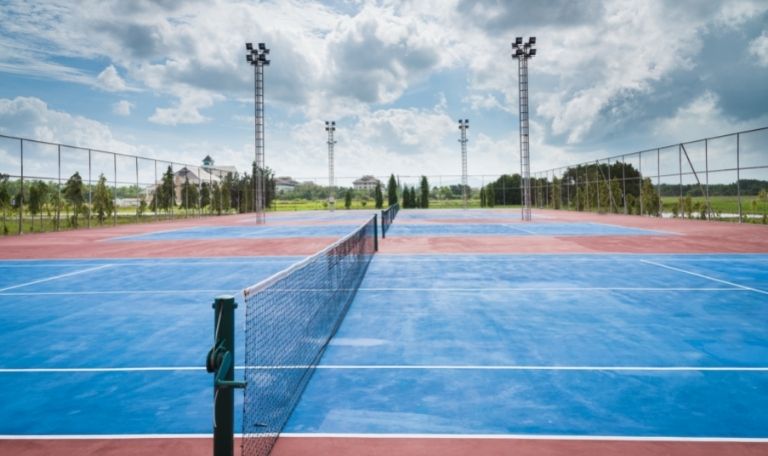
(290, 318)
(387, 217)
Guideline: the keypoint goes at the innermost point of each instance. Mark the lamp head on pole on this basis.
(525, 50)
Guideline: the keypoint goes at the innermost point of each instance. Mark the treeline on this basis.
(68, 204)
(745, 187)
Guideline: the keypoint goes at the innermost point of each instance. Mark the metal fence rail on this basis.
(116, 187)
(721, 177)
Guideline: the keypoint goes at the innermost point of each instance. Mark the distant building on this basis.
(366, 183)
(195, 176)
(285, 184)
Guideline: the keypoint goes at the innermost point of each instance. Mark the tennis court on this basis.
(556, 341)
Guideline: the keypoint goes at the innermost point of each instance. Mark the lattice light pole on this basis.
(463, 126)
(330, 127)
(258, 58)
(522, 52)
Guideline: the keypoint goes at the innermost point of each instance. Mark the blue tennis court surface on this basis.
(399, 229)
(625, 345)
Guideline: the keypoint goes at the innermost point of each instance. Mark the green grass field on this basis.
(722, 204)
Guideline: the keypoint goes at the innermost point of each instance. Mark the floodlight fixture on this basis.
(463, 126)
(521, 53)
(330, 127)
(257, 57)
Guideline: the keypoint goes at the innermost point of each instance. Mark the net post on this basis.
(221, 362)
(383, 230)
(375, 232)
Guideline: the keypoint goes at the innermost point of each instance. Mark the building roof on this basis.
(366, 180)
(286, 181)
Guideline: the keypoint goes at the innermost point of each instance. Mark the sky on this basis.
(169, 79)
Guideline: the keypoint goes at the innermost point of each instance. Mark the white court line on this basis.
(107, 436)
(503, 289)
(520, 368)
(547, 289)
(48, 370)
(48, 279)
(702, 276)
(650, 231)
(551, 257)
(523, 230)
(615, 438)
(528, 437)
(114, 292)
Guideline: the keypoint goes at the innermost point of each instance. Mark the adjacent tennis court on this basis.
(442, 350)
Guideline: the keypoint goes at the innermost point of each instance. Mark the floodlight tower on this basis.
(463, 126)
(330, 127)
(258, 58)
(523, 52)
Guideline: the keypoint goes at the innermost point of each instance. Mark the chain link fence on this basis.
(47, 186)
(718, 178)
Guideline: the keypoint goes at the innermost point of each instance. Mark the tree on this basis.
(205, 195)
(227, 186)
(38, 191)
(5, 199)
(424, 192)
(142, 207)
(167, 191)
(103, 203)
(392, 190)
(406, 198)
(379, 198)
(57, 201)
(73, 193)
(482, 196)
(490, 195)
(649, 198)
(216, 198)
(348, 199)
(189, 195)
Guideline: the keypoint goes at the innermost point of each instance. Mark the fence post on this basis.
(658, 181)
(624, 182)
(221, 362)
(375, 232)
(58, 188)
(88, 211)
(738, 175)
(154, 195)
(680, 207)
(114, 195)
(139, 198)
(706, 177)
(640, 178)
(21, 191)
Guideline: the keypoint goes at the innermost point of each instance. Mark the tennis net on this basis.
(387, 217)
(290, 317)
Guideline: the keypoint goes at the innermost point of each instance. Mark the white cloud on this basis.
(187, 110)
(735, 12)
(122, 108)
(32, 118)
(487, 101)
(109, 79)
(759, 48)
(701, 118)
